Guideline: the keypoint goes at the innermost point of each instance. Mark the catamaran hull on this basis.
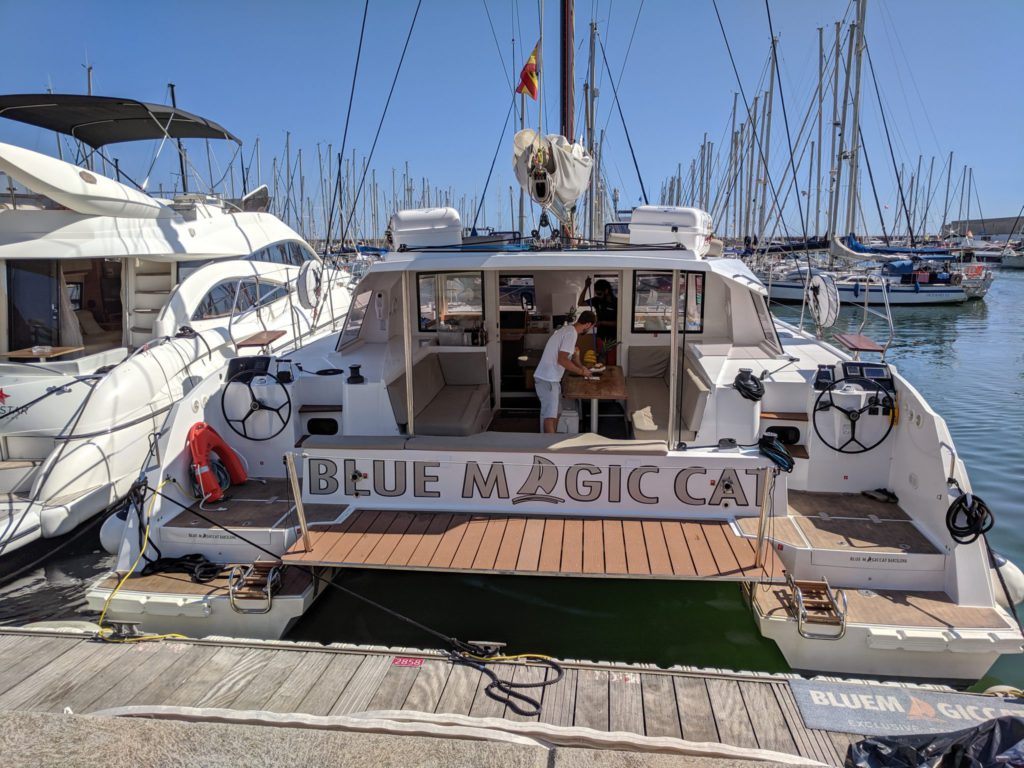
(958, 657)
(196, 615)
(792, 292)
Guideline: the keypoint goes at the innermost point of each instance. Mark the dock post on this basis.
(762, 522)
(293, 476)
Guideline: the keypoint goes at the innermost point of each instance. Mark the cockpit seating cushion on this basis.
(451, 394)
(647, 392)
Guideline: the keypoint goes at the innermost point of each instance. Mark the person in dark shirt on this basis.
(606, 307)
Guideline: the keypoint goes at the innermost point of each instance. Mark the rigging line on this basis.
(497, 149)
(618, 81)
(885, 124)
(380, 125)
(874, 191)
(629, 141)
(504, 68)
(344, 135)
(785, 121)
(746, 106)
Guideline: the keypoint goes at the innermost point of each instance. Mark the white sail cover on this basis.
(553, 171)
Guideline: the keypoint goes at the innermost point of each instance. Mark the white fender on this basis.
(1013, 577)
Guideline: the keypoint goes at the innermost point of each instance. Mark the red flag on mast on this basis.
(528, 78)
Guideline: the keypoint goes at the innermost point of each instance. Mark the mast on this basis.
(842, 134)
(821, 96)
(851, 203)
(833, 156)
(767, 143)
(923, 227)
(945, 204)
(567, 70)
(591, 94)
(181, 150)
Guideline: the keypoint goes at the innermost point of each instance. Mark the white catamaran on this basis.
(114, 304)
(398, 455)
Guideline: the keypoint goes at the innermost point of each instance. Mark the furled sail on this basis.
(553, 171)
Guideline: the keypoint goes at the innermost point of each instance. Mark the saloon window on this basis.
(450, 300)
(270, 291)
(652, 302)
(354, 319)
(218, 302)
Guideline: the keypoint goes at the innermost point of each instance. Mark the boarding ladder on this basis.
(816, 603)
(251, 587)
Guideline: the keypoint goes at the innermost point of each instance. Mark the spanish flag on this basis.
(528, 78)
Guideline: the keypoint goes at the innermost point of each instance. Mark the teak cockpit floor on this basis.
(552, 546)
(892, 608)
(256, 503)
(844, 521)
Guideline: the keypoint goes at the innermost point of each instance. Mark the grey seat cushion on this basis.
(647, 404)
(521, 442)
(455, 411)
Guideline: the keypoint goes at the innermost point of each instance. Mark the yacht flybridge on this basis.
(408, 443)
(115, 303)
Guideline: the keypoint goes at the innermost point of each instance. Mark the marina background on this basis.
(968, 361)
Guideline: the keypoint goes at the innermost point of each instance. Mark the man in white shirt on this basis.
(555, 361)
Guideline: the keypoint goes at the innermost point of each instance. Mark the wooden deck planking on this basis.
(593, 547)
(657, 549)
(730, 712)
(721, 551)
(678, 550)
(426, 690)
(290, 693)
(487, 553)
(696, 715)
(661, 712)
(623, 547)
(637, 561)
(625, 702)
(429, 541)
(465, 555)
(551, 546)
(362, 685)
(614, 547)
(392, 537)
(767, 718)
(529, 551)
(411, 539)
(28, 658)
(90, 676)
(529, 674)
(277, 670)
(459, 690)
(394, 687)
(592, 702)
(508, 552)
(560, 700)
(327, 688)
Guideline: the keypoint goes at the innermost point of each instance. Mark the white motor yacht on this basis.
(114, 304)
(744, 450)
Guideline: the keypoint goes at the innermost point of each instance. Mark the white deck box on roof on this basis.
(669, 225)
(426, 227)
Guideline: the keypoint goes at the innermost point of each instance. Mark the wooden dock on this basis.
(535, 545)
(47, 671)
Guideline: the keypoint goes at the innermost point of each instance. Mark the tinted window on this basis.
(270, 292)
(296, 255)
(652, 302)
(218, 302)
(454, 300)
(248, 295)
(354, 319)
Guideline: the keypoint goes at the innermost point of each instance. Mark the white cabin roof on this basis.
(582, 260)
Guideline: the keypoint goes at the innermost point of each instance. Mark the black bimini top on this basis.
(101, 120)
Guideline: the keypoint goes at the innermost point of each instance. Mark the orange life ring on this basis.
(975, 270)
(203, 440)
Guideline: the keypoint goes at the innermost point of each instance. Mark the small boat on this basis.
(748, 451)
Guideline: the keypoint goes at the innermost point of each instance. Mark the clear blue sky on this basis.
(950, 74)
